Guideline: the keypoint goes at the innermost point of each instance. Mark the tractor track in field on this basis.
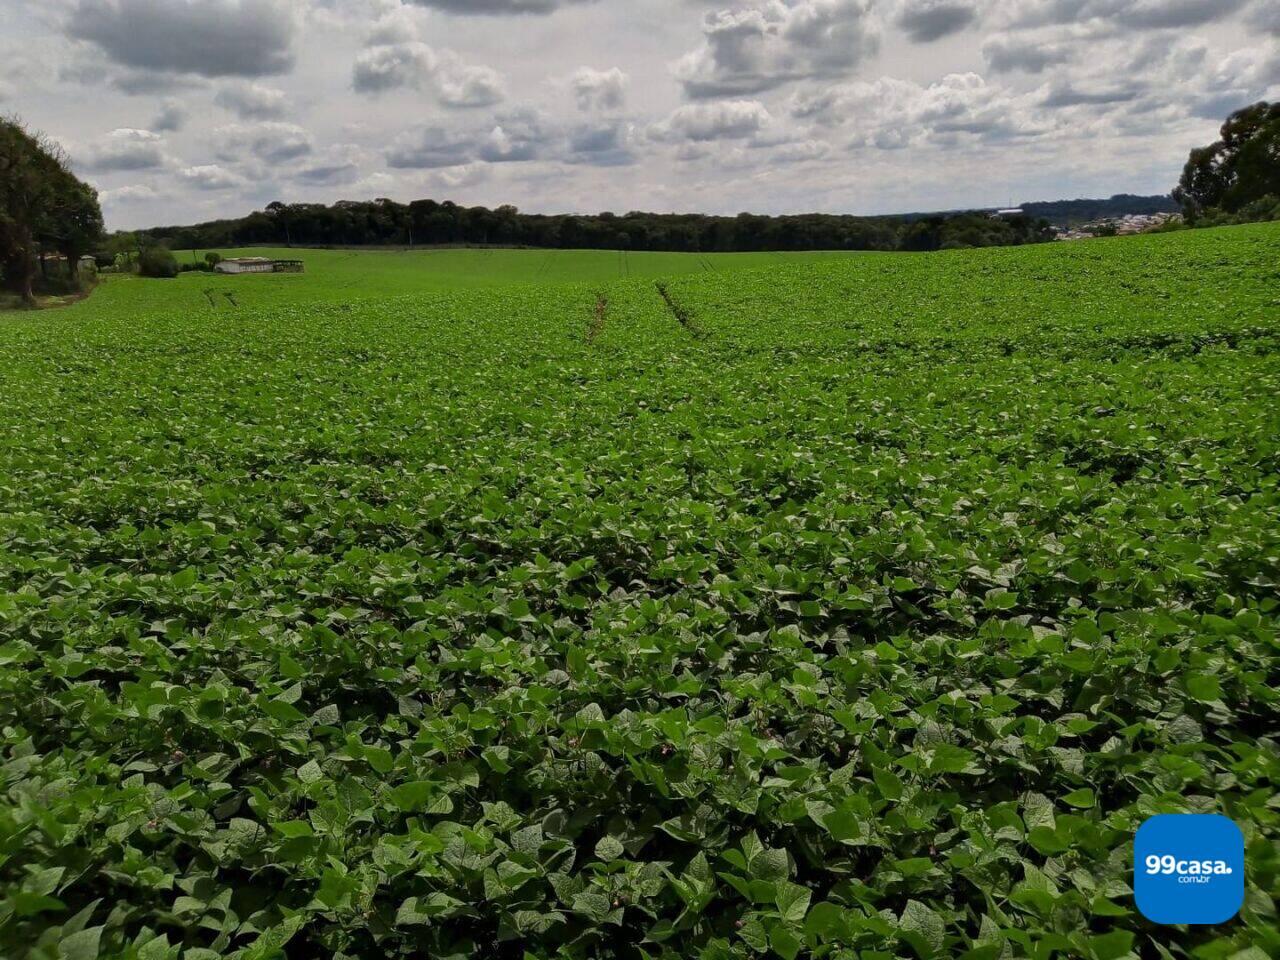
(595, 326)
(682, 315)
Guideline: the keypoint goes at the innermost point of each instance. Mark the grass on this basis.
(857, 607)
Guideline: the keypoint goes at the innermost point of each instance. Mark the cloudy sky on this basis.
(184, 110)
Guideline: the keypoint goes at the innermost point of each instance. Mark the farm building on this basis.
(258, 265)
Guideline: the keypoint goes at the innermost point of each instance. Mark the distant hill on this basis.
(1065, 212)
(425, 223)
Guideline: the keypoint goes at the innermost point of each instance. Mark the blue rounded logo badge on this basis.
(1189, 868)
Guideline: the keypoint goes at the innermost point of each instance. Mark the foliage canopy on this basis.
(860, 608)
(1240, 169)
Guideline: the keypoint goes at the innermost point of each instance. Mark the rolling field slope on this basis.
(852, 608)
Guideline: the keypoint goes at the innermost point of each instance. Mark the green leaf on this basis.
(922, 928)
(270, 944)
(1083, 798)
(414, 796)
(592, 905)
(1111, 946)
(793, 901)
(609, 849)
(825, 920)
(293, 829)
(771, 864)
(284, 712)
(1203, 687)
(784, 942)
(754, 934)
(185, 578)
(382, 761)
(81, 945)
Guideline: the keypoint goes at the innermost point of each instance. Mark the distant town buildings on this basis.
(1102, 227)
(1117, 226)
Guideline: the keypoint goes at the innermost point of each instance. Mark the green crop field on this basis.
(363, 274)
(852, 607)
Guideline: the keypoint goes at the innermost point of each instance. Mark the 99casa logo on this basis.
(1189, 868)
(1187, 871)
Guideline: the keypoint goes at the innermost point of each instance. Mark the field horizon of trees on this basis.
(386, 222)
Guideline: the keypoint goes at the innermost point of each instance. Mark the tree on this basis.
(158, 262)
(1240, 169)
(76, 222)
(123, 248)
(44, 208)
(280, 213)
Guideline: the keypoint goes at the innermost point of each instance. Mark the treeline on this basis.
(1237, 178)
(430, 223)
(47, 215)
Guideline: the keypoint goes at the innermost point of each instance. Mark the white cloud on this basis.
(1028, 53)
(723, 120)
(268, 141)
(395, 58)
(799, 151)
(127, 149)
(211, 38)
(456, 178)
(1266, 17)
(514, 137)
(891, 114)
(211, 176)
(135, 193)
(431, 147)
(1241, 78)
(1131, 14)
(391, 66)
(601, 144)
(759, 48)
(338, 165)
(93, 69)
(1146, 14)
(171, 118)
(253, 101)
(517, 137)
(1067, 94)
(496, 7)
(925, 21)
(599, 89)
(458, 84)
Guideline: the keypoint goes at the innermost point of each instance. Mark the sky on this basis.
(181, 111)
